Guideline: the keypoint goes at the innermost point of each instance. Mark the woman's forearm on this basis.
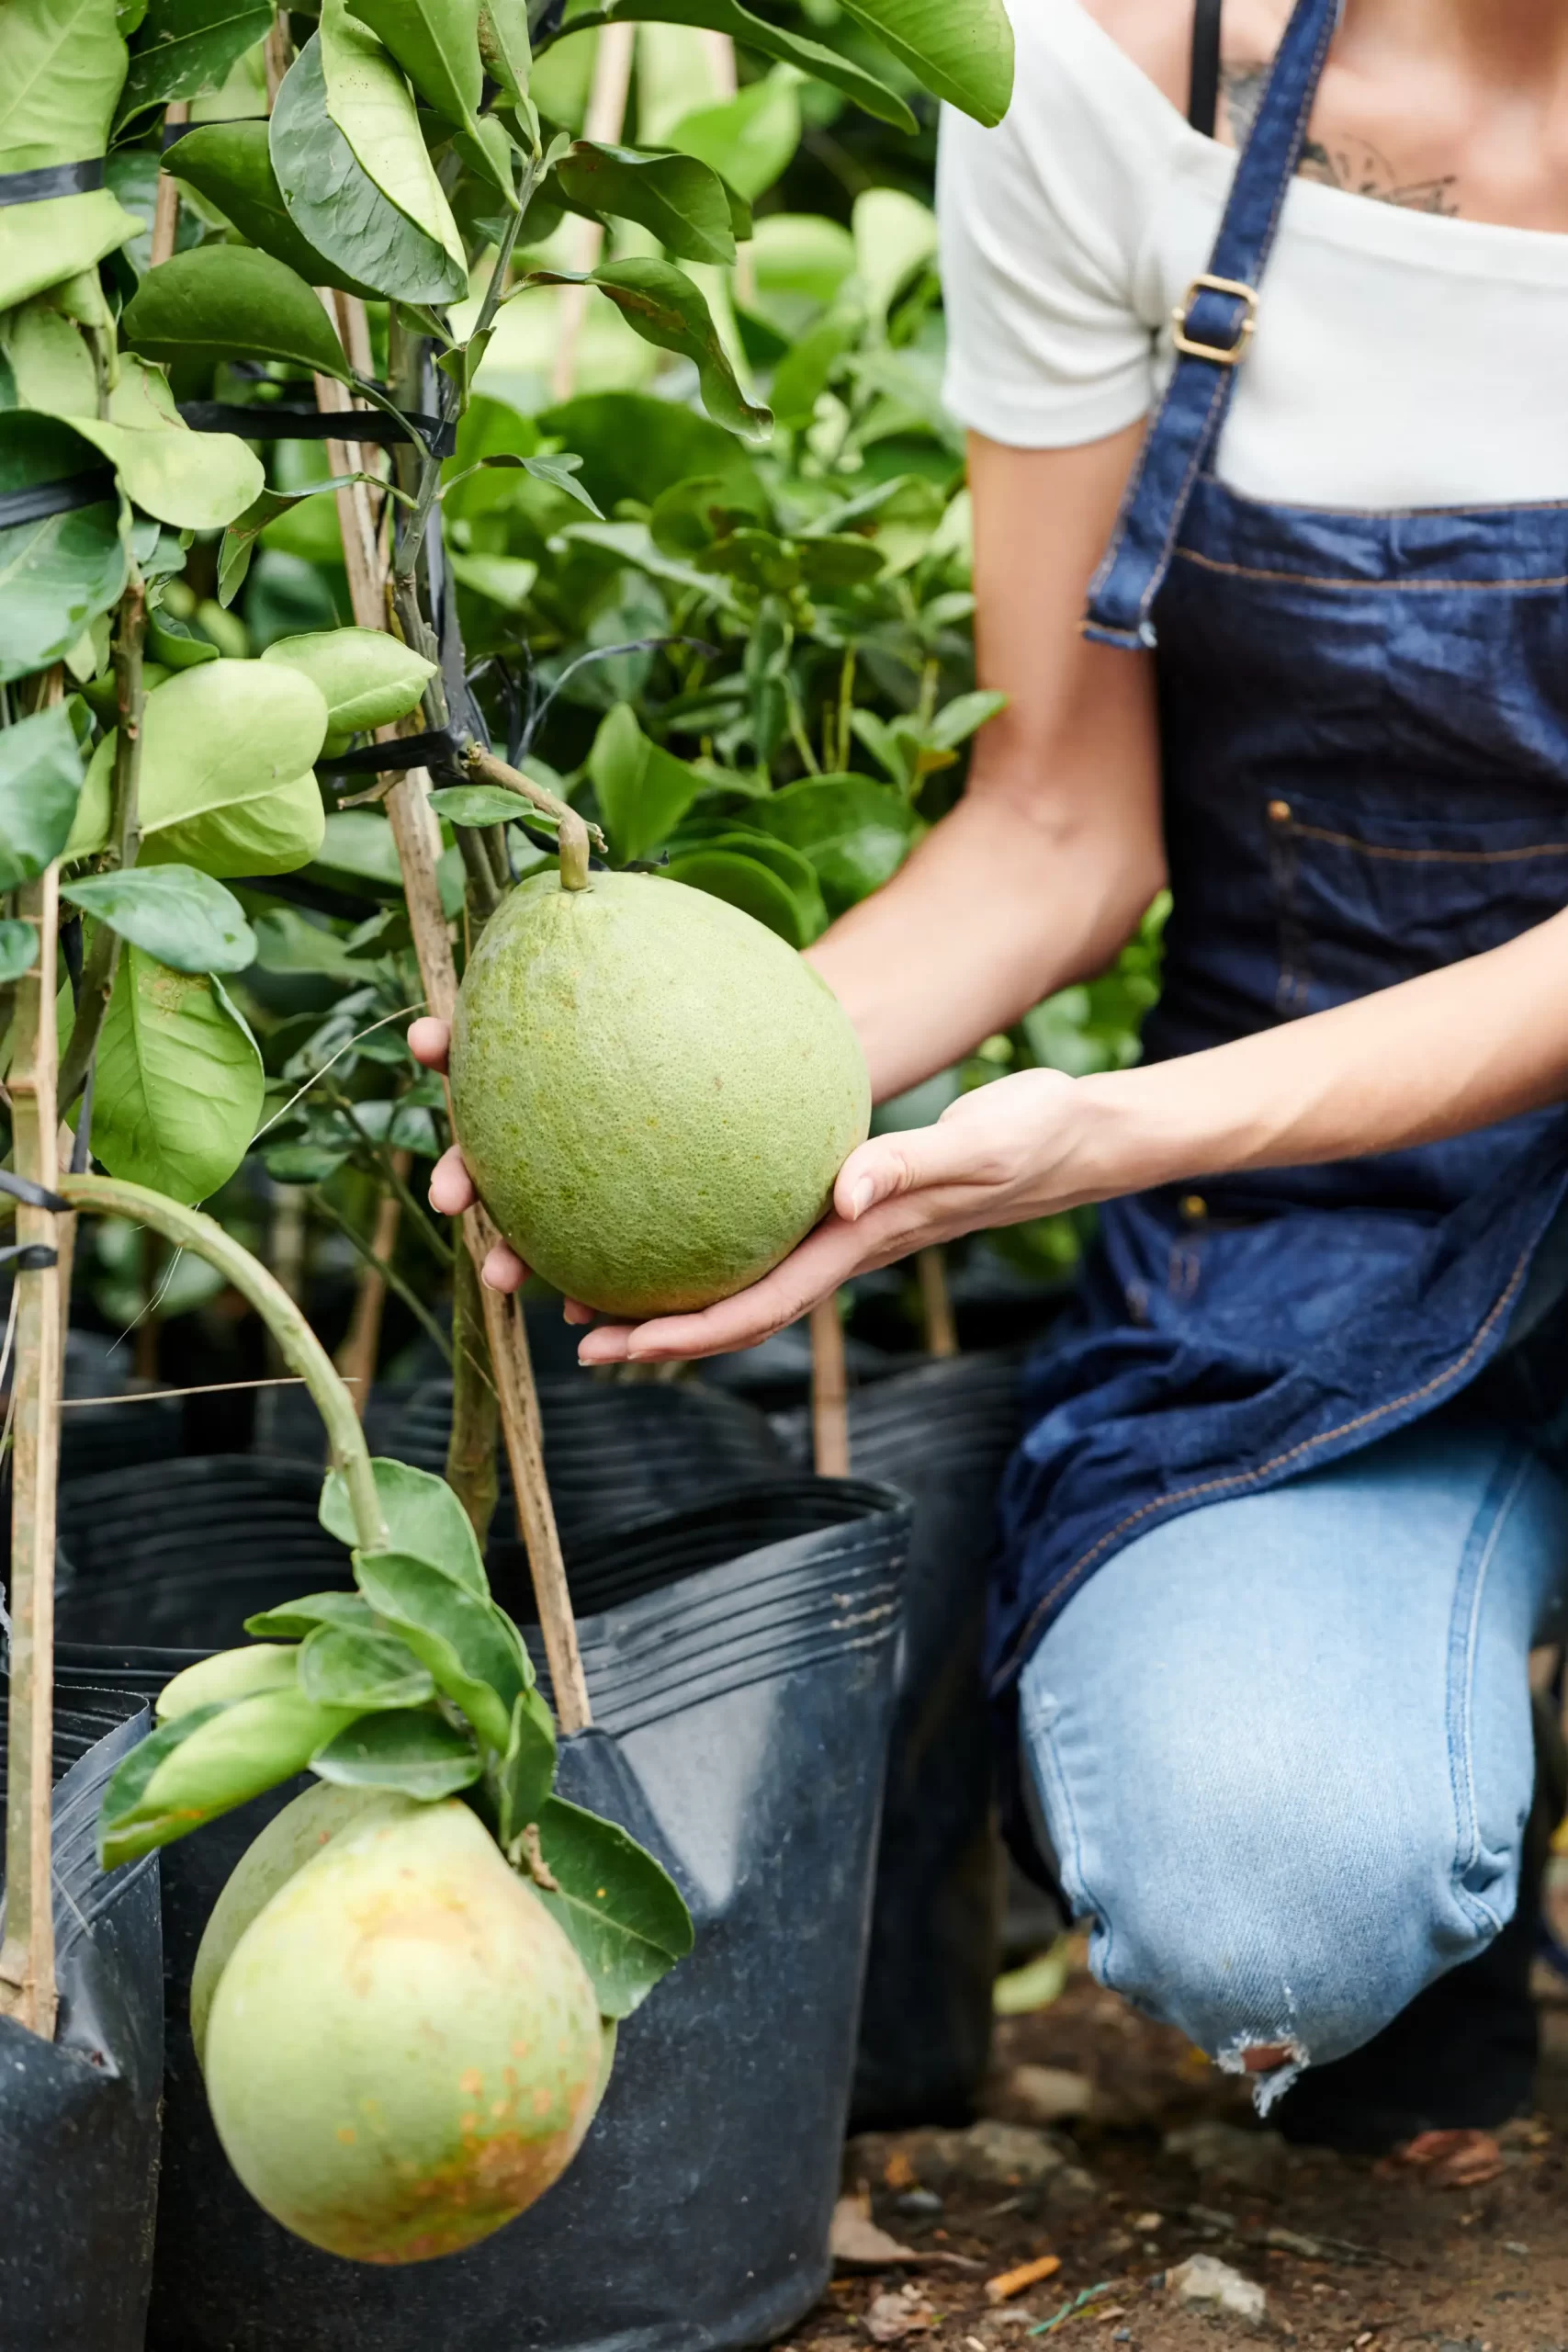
(1456, 1049)
(1000, 905)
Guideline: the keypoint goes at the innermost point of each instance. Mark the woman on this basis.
(1284, 1530)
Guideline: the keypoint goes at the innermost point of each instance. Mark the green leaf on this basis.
(750, 138)
(643, 790)
(463, 1639)
(689, 516)
(183, 917)
(677, 197)
(18, 945)
(197, 481)
(335, 204)
(506, 580)
(665, 308)
(227, 754)
(232, 303)
(239, 538)
(372, 105)
(480, 804)
(64, 64)
(623, 1912)
(353, 1666)
(188, 46)
(559, 471)
(436, 42)
(41, 782)
(964, 717)
(230, 165)
(367, 678)
(527, 1770)
(959, 50)
(204, 1763)
(635, 446)
(177, 647)
(804, 373)
(794, 869)
(224, 1680)
(744, 882)
(423, 1517)
(294, 1618)
(59, 574)
(756, 32)
(504, 45)
(416, 1754)
(180, 1084)
(856, 832)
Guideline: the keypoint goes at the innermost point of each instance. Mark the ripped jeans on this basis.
(1283, 1745)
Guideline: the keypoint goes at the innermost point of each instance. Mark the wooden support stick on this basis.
(26, 1955)
(166, 204)
(607, 113)
(829, 1392)
(936, 1299)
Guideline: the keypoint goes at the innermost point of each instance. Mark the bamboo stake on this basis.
(361, 1345)
(936, 1300)
(167, 204)
(829, 1392)
(26, 1955)
(607, 113)
(277, 58)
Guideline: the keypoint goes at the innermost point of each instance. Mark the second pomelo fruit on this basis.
(653, 1094)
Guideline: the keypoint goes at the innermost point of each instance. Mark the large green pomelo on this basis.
(403, 2051)
(653, 1092)
(290, 1840)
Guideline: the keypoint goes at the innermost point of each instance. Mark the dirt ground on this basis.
(1165, 2161)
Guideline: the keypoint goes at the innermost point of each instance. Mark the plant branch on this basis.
(102, 961)
(471, 1470)
(486, 768)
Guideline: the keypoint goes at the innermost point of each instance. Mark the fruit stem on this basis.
(573, 853)
(297, 1345)
(487, 769)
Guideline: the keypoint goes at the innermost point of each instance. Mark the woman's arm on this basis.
(1456, 1049)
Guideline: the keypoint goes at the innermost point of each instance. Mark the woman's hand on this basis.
(992, 1159)
(451, 1186)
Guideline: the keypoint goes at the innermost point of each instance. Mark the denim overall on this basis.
(1364, 725)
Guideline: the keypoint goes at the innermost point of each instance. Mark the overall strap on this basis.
(1213, 326)
(1203, 79)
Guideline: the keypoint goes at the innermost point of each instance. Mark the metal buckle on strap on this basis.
(1222, 354)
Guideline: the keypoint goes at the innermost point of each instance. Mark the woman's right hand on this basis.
(452, 1189)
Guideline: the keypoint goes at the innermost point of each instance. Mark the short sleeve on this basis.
(1041, 223)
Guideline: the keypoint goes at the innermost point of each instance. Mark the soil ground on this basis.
(1365, 2256)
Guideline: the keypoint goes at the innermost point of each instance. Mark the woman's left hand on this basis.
(994, 1158)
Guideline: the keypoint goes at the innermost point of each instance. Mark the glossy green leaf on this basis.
(959, 50)
(744, 882)
(436, 42)
(527, 1770)
(561, 471)
(176, 913)
(463, 1639)
(232, 303)
(643, 790)
(373, 108)
(804, 372)
(621, 1910)
(335, 204)
(676, 196)
(197, 481)
(665, 308)
(174, 646)
(965, 716)
(367, 678)
(18, 948)
(203, 1764)
(417, 1754)
(633, 445)
(240, 540)
(58, 574)
(354, 1666)
(504, 45)
(759, 33)
(480, 804)
(223, 1681)
(227, 751)
(230, 165)
(794, 869)
(294, 1618)
(489, 155)
(180, 1084)
(425, 1519)
(187, 46)
(689, 516)
(856, 832)
(41, 782)
(749, 139)
(64, 63)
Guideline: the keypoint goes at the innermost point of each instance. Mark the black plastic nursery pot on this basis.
(79, 2115)
(740, 1658)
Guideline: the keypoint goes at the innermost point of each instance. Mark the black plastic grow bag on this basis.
(79, 2116)
(739, 1657)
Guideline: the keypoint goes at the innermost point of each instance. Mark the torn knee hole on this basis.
(1272, 2060)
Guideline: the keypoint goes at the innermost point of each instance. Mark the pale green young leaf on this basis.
(294, 1619)
(240, 540)
(480, 804)
(424, 1519)
(194, 481)
(463, 1639)
(367, 678)
(180, 1083)
(415, 1753)
(225, 1679)
(64, 64)
(354, 1666)
(336, 204)
(436, 42)
(41, 782)
(204, 1763)
(175, 912)
(232, 303)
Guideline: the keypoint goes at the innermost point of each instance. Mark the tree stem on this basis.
(471, 1471)
(102, 961)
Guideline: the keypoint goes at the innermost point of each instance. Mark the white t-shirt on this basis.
(1401, 358)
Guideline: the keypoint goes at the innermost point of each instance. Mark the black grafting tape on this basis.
(39, 500)
(285, 421)
(51, 179)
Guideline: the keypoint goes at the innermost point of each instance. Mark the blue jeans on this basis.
(1283, 1746)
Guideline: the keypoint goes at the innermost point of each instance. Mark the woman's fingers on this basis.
(430, 1041)
(503, 1269)
(451, 1186)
